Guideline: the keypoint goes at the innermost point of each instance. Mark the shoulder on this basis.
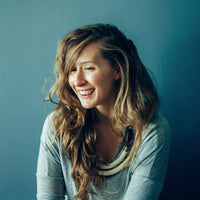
(49, 120)
(48, 129)
(156, 140)
(161, 122)
(158, 130)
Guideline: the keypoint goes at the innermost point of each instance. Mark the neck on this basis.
(104, 111)
(103, 116)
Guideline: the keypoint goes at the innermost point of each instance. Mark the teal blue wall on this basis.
(167, 34)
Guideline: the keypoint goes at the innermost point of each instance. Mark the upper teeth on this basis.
(86, 92)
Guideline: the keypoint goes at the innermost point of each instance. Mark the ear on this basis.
(117, 74)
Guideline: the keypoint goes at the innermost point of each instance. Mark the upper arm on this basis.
(148, 169)
(50, 182)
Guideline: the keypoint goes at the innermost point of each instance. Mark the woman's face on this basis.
(92, 78)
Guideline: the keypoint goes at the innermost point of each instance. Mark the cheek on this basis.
(70, 80)
(105, 86)
(97, 82)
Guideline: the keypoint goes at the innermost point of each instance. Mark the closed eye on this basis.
(89, 68)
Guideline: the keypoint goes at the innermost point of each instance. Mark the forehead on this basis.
(90, 53)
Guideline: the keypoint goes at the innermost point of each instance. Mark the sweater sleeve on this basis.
(50, 181)
(148, 169)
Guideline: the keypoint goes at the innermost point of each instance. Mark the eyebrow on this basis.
(88, 61)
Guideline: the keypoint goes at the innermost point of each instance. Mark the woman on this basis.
(105, 138)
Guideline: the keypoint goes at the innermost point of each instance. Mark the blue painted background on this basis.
(167, 34)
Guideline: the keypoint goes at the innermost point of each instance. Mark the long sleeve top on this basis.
(142, 180)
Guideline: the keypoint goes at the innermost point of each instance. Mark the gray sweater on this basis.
(142, 180)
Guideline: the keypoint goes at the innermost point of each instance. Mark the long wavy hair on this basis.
(136, 102)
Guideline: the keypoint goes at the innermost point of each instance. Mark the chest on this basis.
(107, 144)
(114, 188)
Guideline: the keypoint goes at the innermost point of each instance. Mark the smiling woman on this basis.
(93, 79)
(105, 138)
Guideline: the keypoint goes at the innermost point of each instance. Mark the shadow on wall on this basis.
(182, 111)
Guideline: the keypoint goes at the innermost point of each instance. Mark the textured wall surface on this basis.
(167, 35)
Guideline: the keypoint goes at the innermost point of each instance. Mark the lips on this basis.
(86, 92)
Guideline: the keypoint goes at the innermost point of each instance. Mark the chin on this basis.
(88, 106)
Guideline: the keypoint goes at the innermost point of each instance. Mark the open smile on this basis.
(86, 93)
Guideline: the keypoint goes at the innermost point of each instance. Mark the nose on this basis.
(79, 78)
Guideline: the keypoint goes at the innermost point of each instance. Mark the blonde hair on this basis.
(135, 104)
